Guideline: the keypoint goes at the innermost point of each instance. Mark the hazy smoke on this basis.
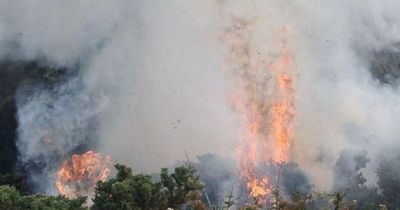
(141, 82)
(219, 176)
(54, 121)
(347, 173)
(143, 79)
(339, 103)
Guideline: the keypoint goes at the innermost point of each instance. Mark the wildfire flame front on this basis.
(266, 119)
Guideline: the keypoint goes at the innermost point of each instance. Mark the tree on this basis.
(8, 197)
(127, 192)
(217, 174)
(17, 180)
(349, 179)
(389, 182)
(11, 199)
(140, 192)
(45, 202)
(294, 181)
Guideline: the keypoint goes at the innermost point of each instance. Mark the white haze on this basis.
(151, 75)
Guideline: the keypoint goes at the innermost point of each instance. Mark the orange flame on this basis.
(259, 190)
(283, 109)
(267, 133)
(78, 177)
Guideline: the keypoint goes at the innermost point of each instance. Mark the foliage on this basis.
(11, 199)
(17, 180)
(138, 192)
(45, 202)
(9, 196)
(229, 202)
(312, 201)
(182, 189)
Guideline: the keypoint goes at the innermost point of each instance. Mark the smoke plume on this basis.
(144, 80)
(345, 78)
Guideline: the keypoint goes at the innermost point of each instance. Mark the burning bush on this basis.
(79, 176)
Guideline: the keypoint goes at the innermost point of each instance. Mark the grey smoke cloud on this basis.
(143, 82)
(339, 105)
(149, 74)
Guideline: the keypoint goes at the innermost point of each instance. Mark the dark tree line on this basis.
(182, 188)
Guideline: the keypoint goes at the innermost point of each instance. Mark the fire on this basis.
(78, 176)
(265, 101)
(283, 109)
(283, 113)
(259, 188)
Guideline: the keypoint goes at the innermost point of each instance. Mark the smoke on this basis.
(57, 107)
(347, 173)
(340, 49)
(139, 81)
(341, 105)
(142, 81)
(53, 123)
(219, 176)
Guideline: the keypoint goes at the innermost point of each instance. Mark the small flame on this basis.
(259, 188)
(78, 176)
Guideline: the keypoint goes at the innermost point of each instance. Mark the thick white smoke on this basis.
(57, 119)
(146, 77)
(142, 82)
(340, 105)
(53, 122)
